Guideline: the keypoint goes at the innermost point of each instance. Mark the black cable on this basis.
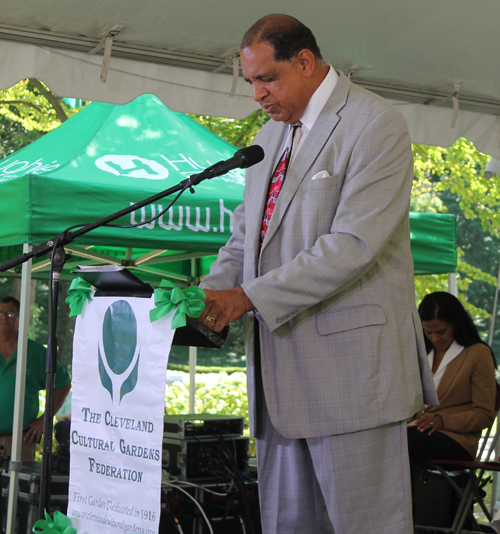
(247, 510)
(223, 466)
(153, 218)
(85, 225)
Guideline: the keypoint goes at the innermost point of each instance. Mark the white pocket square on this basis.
(320, 175)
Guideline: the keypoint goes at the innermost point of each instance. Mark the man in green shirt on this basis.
(35, 381)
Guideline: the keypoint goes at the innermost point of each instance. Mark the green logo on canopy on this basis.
(119, 353)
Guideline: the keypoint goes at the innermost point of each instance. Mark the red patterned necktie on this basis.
(275, 186)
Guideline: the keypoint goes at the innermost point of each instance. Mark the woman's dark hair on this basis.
(446, 307)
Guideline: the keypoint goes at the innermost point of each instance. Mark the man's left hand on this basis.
(223, 307)
(34, 431)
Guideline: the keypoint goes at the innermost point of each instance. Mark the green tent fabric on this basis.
(102, 160)
(108, 156)
(433, 242)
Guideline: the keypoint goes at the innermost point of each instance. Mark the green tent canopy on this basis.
(107, 157)
(102, 160)
(433, 242)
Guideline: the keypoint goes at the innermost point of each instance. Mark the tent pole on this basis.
(193, 351)
(494, 312)
(17, 429)
(452, 283)
(494, 485)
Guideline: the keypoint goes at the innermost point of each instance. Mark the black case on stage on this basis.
(202, 459)
(123, 283)
(435, 502)
(202, 425)
(29, 495)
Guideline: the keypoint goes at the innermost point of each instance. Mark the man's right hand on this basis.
(223, 307)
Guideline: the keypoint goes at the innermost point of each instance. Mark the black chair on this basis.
(466, 480)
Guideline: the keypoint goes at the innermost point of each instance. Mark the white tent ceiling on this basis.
(418, 53)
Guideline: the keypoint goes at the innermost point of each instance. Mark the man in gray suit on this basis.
(335, 355)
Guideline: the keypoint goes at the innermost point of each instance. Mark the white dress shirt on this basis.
(317, 103)
(454, 350)
(312, 111)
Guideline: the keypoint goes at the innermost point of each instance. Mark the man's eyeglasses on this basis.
(9, 314)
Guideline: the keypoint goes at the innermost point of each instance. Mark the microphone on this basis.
(246, 157)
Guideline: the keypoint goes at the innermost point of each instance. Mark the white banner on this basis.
(119, 375)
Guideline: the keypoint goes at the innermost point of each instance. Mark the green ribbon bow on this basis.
(184, 301)
(61, 523)
(79, 292)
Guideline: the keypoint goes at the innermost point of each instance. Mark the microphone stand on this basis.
(58, 259)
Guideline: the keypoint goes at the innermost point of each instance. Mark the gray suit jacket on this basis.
(341, 342)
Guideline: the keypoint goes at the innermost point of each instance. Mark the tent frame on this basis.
(17, 430)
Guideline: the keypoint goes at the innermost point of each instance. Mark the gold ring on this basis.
(210, 319)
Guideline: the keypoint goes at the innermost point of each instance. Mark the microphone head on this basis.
(250, 155)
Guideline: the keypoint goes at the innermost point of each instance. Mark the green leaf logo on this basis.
(118, 368)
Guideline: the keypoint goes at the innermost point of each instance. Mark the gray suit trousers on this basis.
(348, 484)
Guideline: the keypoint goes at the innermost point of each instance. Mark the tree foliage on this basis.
(31, 104)
(13, 136)
(458, 169)
(239, 133)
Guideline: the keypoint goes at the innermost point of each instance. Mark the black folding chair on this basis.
(478, 475)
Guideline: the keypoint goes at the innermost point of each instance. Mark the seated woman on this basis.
(464, 375)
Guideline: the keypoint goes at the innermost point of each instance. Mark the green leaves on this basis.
(458, 168)
(237, 132)
(26, 105)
